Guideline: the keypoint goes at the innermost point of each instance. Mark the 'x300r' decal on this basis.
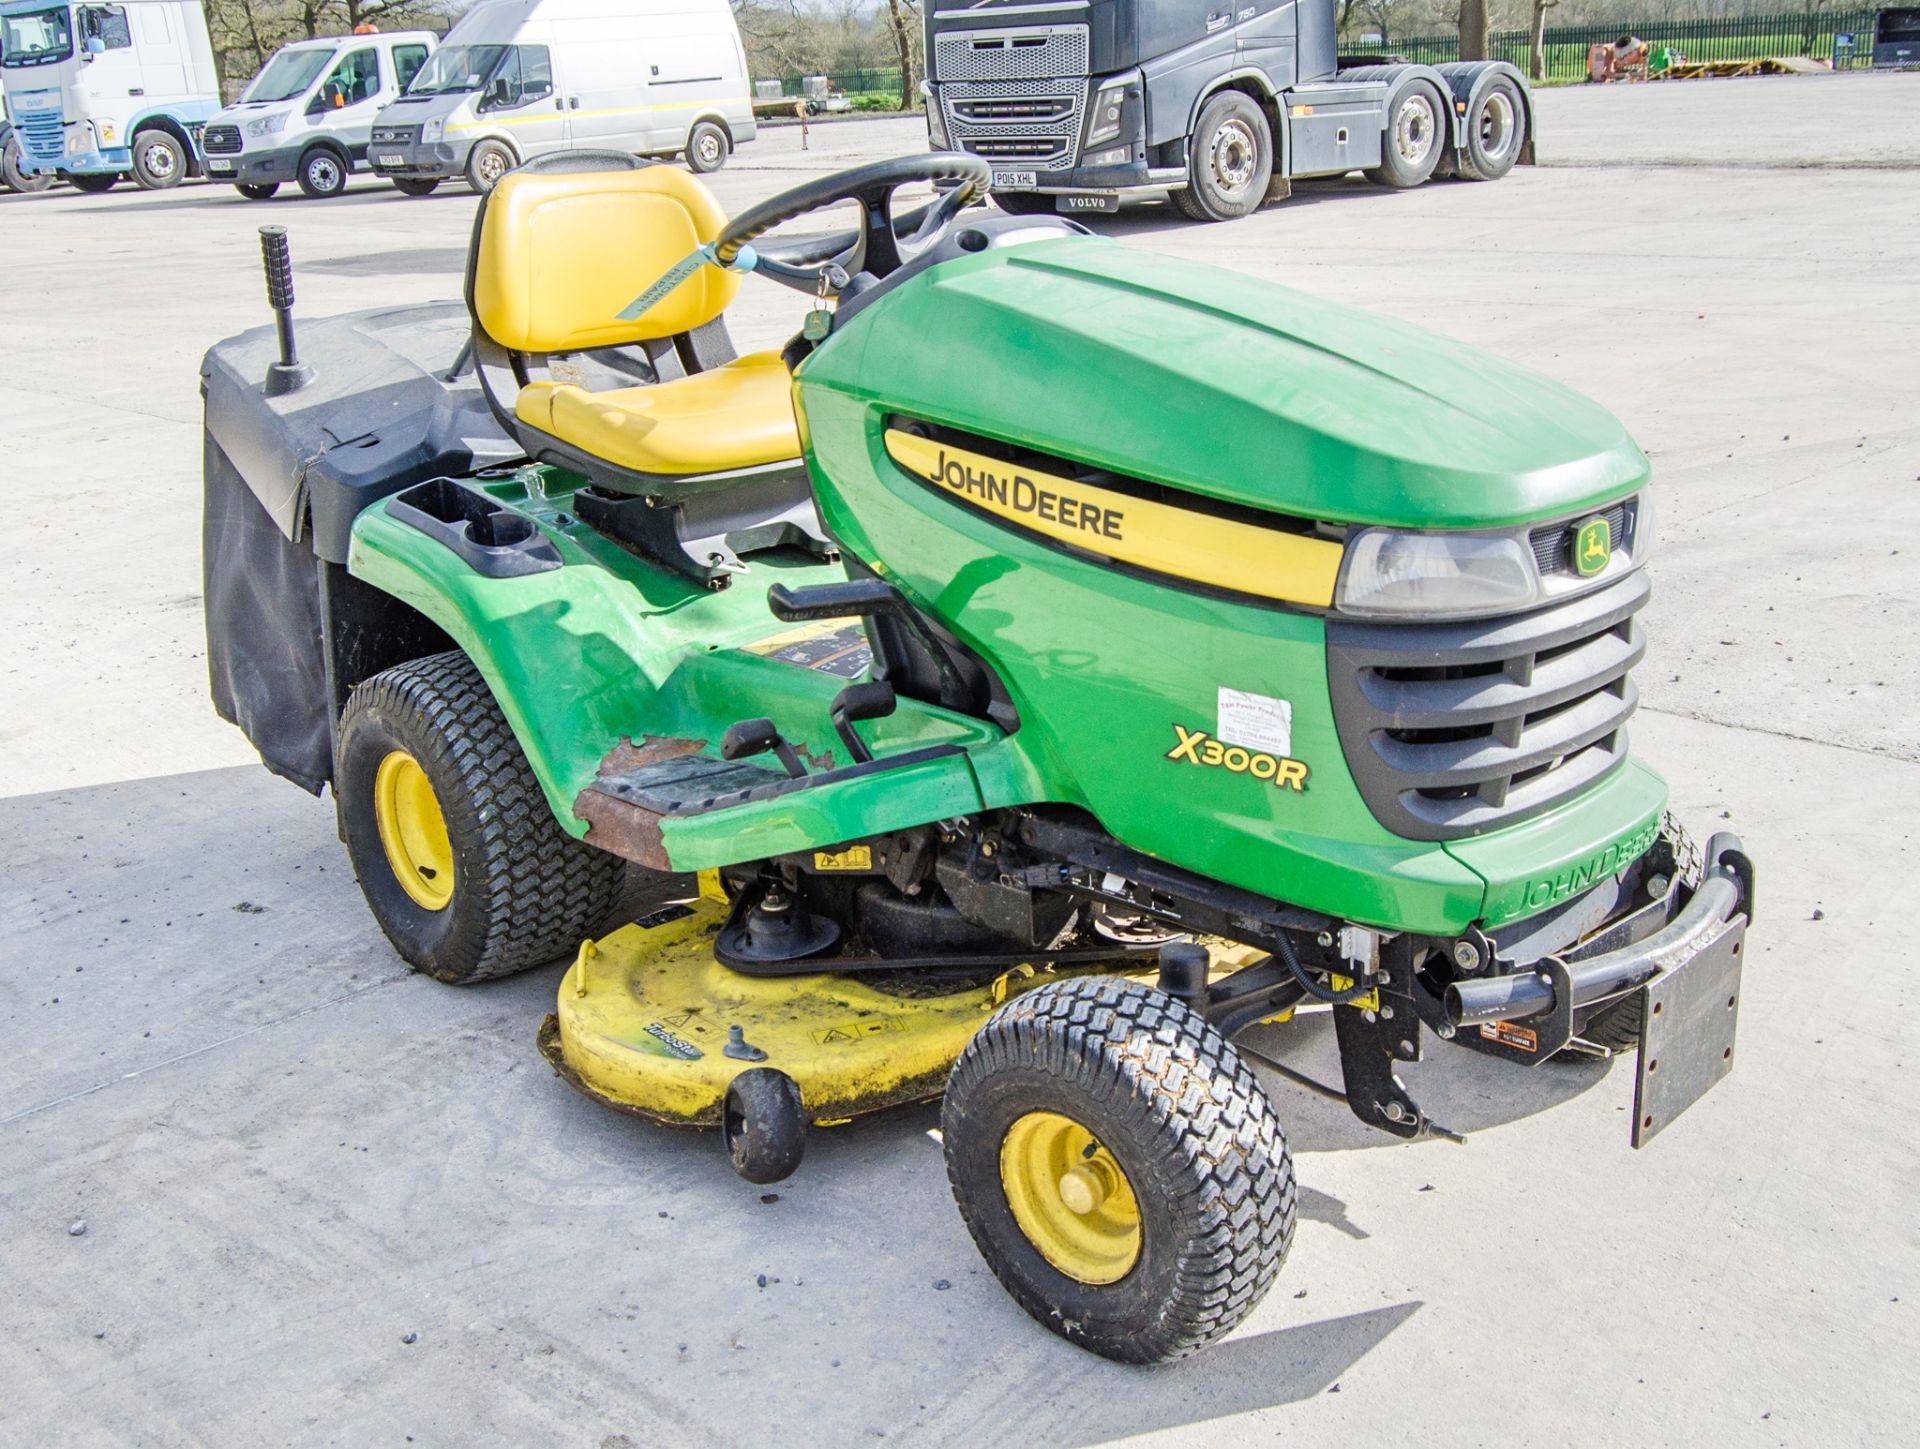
(1196, 747)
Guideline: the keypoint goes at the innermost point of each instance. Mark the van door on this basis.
(687, 74)
(407, 58)
(524, 99)
(607, 91)
(345, 101)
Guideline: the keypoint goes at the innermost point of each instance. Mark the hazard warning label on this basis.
(843, 1033)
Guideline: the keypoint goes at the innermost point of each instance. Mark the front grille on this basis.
(1553, 544)
(400, 135)
(220, 140)
(1034, 122)
(1454, 729)
(43, 136)
(1038, 53)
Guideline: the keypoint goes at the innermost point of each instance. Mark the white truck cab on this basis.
(98, 92)
(308, 116)
(515, 79)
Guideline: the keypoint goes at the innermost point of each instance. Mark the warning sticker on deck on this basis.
(1256, 721)
(846, 1032)
(832, 646)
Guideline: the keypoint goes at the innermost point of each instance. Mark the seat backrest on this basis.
(558, 255)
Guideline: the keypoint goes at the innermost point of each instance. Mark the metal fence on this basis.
(851, 82)
(1813, 34)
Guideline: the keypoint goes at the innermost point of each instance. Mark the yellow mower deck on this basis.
(643, 1015)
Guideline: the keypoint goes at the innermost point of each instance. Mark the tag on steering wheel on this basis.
(818, 324)
(820, 320)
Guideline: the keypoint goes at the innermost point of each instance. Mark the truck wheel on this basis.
(1119, 1167)
(1496, 132)
(94, 183)
(416, 185)
(707, 148)
(16, 178)
(323, 172)
(1410, 149)
(487, 162)
(1229, 161)
(455, 847)
(256, 190)
(159, 160)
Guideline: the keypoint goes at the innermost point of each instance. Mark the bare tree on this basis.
(1473, 29)
(1537, 39)
(899, 15)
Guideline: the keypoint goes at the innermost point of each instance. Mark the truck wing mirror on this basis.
(94, 45)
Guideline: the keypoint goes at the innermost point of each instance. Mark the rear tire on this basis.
(707, 148)
(159, 160)
(17, 179)
(93, 184)
(416, 185)
(1229, 161)
(487, 162)
(1496, 132)
(1414, 139)
(323, 172)
(256, 190)
(503, 887)
(1119, 1167)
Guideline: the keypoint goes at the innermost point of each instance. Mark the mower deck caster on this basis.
(1119, 1167)
(763, 1126)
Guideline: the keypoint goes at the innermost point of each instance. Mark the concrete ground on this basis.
(326, 1202)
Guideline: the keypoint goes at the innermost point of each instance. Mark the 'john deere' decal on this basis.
(1182, 543)
(1196, 747)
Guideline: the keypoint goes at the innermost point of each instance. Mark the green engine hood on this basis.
(1227, 386)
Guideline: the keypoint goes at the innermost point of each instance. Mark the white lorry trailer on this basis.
(98, 92)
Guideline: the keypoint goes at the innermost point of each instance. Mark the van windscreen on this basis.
(457, 68)
(287, 75)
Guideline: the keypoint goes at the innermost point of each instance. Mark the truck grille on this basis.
(1035, 123)
(220, 140)
(1039, 53)
(43, 136)
(403, 135)
(1454, 729)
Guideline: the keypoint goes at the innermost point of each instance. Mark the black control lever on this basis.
(867, 598)
(756, 737)
(859, 701)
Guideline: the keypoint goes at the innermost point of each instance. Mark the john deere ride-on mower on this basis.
(1055, 661)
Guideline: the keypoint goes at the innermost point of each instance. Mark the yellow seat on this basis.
(736, 416)
(558, 256)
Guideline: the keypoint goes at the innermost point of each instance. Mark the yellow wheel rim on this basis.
(413, 831)
(1070, 1198)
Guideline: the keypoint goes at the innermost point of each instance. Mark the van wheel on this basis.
(95, 183)
(416, 185)
(322, 172)
(707, 148)
(455, 847)
(1229, 162)
(14, 177)
(487, 162)
(256, 190)
(159, 160)
(1413, 142)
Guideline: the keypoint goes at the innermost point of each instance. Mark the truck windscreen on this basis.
(457, 68)
(40, 37)
(287, 75)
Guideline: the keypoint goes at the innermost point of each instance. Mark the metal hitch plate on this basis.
(1687, 1023)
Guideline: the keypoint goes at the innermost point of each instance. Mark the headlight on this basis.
(267, 125)
(1109, 105)
(433, 130)
(1435, 575)
(937, 137)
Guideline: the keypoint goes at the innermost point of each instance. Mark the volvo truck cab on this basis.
(308, 116)
(95, 93)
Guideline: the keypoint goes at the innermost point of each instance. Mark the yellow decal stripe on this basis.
(1179, 542)
(494, 120)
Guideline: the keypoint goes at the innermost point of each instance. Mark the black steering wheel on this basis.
(881, 244)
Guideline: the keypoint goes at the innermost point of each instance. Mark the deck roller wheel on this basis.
(1120, 1168)
(763, 1125)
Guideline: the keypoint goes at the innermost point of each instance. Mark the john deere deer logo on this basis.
(1592, 547)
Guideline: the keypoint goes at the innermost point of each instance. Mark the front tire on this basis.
(14, 176)
(487, 162)
(1496, 132)
(1415, 137)
(1119, 1167)
(707, 148)
(256, 190)
(416, 185)
(323, 173)
(1229, 162)
(93, 183)
(457, 852)
(159, 160)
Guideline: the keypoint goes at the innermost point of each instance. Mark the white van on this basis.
(308, 116)
(515, 79)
